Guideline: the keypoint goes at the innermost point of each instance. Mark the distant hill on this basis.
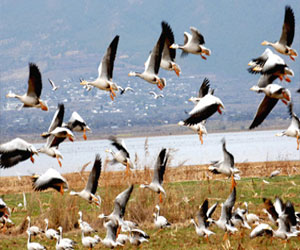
(67, 40)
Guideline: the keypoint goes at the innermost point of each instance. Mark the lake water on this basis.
(250, 146)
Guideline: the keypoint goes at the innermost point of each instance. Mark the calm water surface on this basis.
(245, 146)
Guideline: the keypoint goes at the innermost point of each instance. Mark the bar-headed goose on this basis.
(169, 54)
(105, 70)
(202, 216)
(193, 43)
(159, 220)
(273, 93)
(84, 226)
(15, 151)
(50, 179)
(122, 155)
(50, 232)
(226, 165)
(33, 245)
(152, 65)
(32, 97)
(158, 175)
(294, 129)
(284, 44)
(270, 63)
(77, 124)
(119, 207)
(88, 193)
(110, 239)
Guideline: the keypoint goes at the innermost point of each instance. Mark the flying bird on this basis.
(193, 43)
(54, 87)
(169, 54)
(50, 179)
(158, 176)
(15, 151)
(89, 192)
(32, 97)
(205, 108)
(273, 93)
(120, 203)
(105, 71)
(122, 155)
(123, 91)
(284, 44)
(77, 124)
(226, 165)
(294, 129)
(270, 63)
(156, 96)
(152, 65)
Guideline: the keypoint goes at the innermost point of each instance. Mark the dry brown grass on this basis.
(77, 180)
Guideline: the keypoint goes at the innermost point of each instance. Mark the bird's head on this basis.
(265, 43)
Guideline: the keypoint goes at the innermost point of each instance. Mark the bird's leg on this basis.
(206, 238)
(127, 169)
(59, 162)
(225, 236)
(84, 134)
(233, 183)
(61, 190)
(280, 77)
(200, 136)
(111, 96)
(112, 91)
(70, 138)
(43, 107)
(292, 58)
(160, 198)
(284, 101)
(176, 69)
(203, 57)
(287, 79)
(118, 231)
(298, 142)
(219, 110)
(31, 158)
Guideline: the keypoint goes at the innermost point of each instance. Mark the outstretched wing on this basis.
(92, 183)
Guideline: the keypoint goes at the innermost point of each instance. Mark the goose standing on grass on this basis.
(273, 93)
(156, 96)
(202, 217)
(15, 151)
(54, 87)
(193, 44)
(122, 155)
(137, 237)
(270, 63)
(294, 129)
(120, 203)
(88, 193)
(152, 65)
(33, 230)
(284, 44)
(84, 226)
(224, 221)
(159, 220)
(64, 243)
(88, 241)
(32, 98)
(50, 179)
(169, 54)
(226, 165)
(158, 175)
(50, 148)
(33, 245)
(105, 71)
(49, 232)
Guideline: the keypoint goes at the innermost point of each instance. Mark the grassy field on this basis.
(182, 201)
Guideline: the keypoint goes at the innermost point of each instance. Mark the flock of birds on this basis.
(269, 65)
